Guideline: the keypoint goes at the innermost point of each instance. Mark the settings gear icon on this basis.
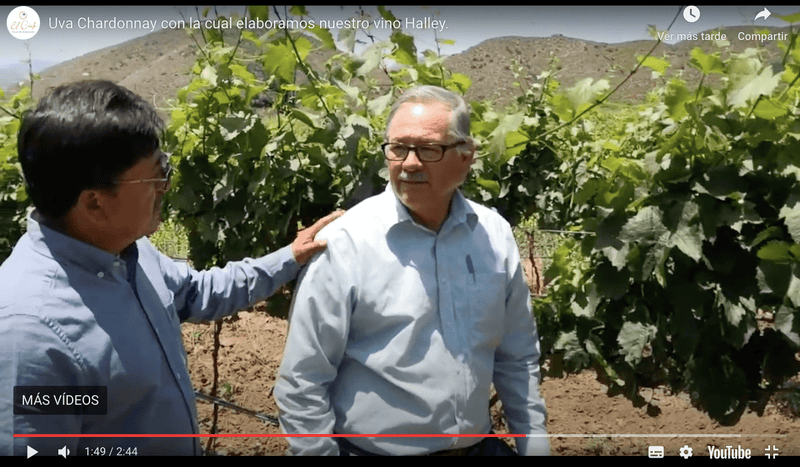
(686, 452)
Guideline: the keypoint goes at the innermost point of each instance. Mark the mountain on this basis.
(489, 64)
(11, 74)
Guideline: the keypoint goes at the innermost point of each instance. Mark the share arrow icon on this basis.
(763, 14)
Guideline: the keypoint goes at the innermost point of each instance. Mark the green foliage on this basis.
(694, 207)
(14, 200)
(171, 239)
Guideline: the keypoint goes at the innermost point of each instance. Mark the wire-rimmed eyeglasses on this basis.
(425, 152)
(166, 168)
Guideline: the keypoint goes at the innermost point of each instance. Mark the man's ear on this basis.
(468, 156)
(92, 207)
(469, 152)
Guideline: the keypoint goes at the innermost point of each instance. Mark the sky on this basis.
(467, 26)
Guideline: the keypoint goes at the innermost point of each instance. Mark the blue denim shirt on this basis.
(75, 315)
(397, 329)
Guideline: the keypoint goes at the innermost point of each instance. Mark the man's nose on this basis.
(412, 159)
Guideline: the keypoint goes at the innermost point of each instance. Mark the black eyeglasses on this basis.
(425, 152)
(165, 167)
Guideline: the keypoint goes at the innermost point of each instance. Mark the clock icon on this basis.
(691, 13)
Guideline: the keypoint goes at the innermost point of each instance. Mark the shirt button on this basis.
(100, 274)
(116, 263)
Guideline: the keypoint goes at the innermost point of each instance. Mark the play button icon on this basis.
(32, 452)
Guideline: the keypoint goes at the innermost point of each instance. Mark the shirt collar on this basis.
(460, 212)
(65, 249)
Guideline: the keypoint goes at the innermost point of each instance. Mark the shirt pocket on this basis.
(486, 308)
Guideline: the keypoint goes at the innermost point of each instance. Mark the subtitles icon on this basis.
(655, 452)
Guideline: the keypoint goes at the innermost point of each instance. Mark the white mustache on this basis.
(415, 177)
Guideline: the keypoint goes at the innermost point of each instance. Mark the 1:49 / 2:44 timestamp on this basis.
(113, 451)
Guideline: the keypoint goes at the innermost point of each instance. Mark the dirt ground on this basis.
(251, 346)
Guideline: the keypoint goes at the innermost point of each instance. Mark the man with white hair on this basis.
(417, 306)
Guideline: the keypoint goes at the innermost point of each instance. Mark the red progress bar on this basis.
(266, 435)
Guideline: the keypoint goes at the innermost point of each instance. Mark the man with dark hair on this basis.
(415, 308)
(86, 301)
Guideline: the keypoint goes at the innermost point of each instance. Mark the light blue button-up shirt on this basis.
(398, 329)
(74, 315)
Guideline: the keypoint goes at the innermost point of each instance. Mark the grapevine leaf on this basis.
(232, 125)
(645, 227)
(769, 110)
(378, 105)
(371, 58)
(773, 278)
(243, 73)
(607, 241)
(303, 46)
(405, 51)
(611, 282)
(386, 14)
(754, 86)
(324, 35)
(589, 189)
(632, 338)
(707, 64)
(303, 116)
(210, 75)
(769, 233)
(348, 37)
(720, 182)
(787, 321)
(658, 64)
(574, 353)
(686, 299)
(490, 185)
(793, 291)
(586, 305)
(780, 280)
(654, 261)
(222, 189)
(497, 138)
(733, 311)
(279, 60)
(515, 144)
(776, 251)
(687, 236)
(790, 213)
(579, 97)
(676, 99)
(459, 82)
